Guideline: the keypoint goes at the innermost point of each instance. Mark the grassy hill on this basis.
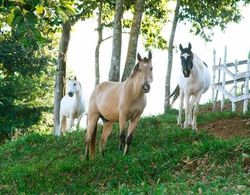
(163, 159)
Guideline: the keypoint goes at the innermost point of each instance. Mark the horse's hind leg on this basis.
(131, 128)
(78, 121)
(107, 129)
(91, 135)
(71, 123)
(122, 124)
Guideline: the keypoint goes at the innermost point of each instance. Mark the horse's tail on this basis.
(93, 140)
(175, 93)
(90, 140)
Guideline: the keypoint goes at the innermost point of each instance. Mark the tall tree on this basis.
(61, 72)
(204, 16)
(99, 41)
(133, 39)
(114, 73)
(170, 55)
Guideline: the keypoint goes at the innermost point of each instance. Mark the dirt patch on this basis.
(228, 128)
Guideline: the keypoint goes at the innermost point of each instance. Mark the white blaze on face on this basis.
(185, 55)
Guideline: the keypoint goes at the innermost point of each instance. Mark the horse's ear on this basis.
(139, 57)
(180, 46)
(150, 55)
(69, 78)
(75, 78)
(189, 46)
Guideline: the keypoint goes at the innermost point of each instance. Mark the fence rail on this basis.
(231, 70)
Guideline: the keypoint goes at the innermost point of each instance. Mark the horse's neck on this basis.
(78, 97)
(134, 87)
(197, 67)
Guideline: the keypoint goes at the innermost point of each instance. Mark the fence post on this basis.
(245, 105)
(213, 80)
(235, 86)
(224, 78)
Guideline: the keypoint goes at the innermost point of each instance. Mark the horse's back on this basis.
(207, 79)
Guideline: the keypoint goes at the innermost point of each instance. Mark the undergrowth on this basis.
(163, 159)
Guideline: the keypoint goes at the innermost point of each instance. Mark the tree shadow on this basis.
(19, 118)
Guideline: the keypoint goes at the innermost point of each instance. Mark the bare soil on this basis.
(228, 128)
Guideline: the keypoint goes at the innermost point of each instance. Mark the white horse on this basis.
(193, 82)
(72, 106)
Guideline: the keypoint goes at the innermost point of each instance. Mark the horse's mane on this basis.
(136, 67)
(198, 61)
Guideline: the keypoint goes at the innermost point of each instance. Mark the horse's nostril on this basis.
(70, 94)
(146, 87)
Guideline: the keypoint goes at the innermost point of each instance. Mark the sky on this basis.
(81, 54)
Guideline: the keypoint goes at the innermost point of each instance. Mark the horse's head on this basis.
(186, 59)
(144, 68)
(74, 86)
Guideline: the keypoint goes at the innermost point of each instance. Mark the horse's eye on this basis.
(151, 68)
(74, 84)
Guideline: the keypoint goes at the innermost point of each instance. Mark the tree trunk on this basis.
(99, 41)
(170, 56)
(133, 39)
(114, 73)
(61, 72)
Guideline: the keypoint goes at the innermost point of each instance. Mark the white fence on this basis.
(234, 84)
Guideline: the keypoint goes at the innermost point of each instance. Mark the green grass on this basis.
(163, 159)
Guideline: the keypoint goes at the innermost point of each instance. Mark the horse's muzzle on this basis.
(70, 94)
(145, 87)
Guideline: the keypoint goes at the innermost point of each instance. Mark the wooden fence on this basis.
(234, 84)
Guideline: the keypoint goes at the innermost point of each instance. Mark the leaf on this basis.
(10, 19)
(39, 9)
(62, 14)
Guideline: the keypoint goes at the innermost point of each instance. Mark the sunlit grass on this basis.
(163, 159)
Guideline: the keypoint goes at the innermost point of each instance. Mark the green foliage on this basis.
(33, 21)
(152, 23)
(151, 30)
(26, 85)
(163, 160)
(205, 15)
(156, 15)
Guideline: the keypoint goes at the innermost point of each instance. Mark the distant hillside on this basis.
(163, 159)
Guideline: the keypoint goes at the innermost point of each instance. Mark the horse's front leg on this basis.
(71, 123)
(191, 106)
(179, 120)
(132, 125)
(196, 110)
(187, 110)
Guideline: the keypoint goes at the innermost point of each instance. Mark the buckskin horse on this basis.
(119, 102)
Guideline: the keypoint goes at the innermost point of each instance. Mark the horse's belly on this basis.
(109, 114)
(109, 111)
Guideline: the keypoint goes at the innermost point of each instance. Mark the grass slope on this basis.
(163, 159)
